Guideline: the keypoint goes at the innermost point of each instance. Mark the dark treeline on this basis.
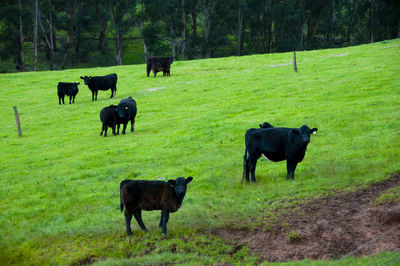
(74, 33)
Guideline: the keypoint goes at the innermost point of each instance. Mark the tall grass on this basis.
(59, 188)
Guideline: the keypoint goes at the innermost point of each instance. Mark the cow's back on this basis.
(271, 142)
(146, 195)
(104, 82)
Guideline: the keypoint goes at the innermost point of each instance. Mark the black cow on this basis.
(276, 144)
(102, 83)
(126, 112)
(138, 195)
(109, 118)
(69, 89)
(158, 64)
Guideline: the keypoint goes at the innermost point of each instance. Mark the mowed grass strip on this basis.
(59, 188)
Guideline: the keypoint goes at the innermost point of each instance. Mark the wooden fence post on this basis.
(17, 119)
(294, 61)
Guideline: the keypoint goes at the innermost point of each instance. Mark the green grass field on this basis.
(59, 188)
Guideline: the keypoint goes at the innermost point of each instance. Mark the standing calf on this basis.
(276, 144)
(69, 89)
(138, 195)
(109, 118)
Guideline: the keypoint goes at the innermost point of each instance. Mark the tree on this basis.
(48, 33)
(35, 34)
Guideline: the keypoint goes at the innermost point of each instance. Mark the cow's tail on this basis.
(245, 165)
(121, 205)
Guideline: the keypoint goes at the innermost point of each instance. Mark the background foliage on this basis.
(104, 33)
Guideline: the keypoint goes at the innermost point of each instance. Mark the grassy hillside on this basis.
(59, 193)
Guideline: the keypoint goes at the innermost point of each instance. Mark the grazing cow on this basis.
(138, 195)
(69, 89)
(126, 112)
(102, 83)
(158, 64)
(276, 144)
(109, 118)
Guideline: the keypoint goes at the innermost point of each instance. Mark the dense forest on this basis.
(60, 34)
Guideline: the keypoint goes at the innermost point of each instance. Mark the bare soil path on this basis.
(326, 228)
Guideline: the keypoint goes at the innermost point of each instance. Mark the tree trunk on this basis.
(117, 52)
(331, 35)
(268, 25)
(207, 10)
(371, 19)
(71, 32)
(194, 19)
(21, 39)
(239, 30)
(51, 46)
(183, 43)
(141, 27)
(303, 29)
(48, 35)
(35, 33)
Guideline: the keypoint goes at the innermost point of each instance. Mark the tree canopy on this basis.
(88, 33)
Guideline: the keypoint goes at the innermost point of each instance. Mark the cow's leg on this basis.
(246, 169)
(73, 99)
(59, 100)
(124, 128)
(118, 129)
(96, 94)
(113, 129)
(63, 99)
(92, 95)
(138, 216)
(164, 218)
(102, 129)
(148, 69)
(128, 218)
(252, 167)
(112, 92)
(290, 166)
(105, 130)
(132, 125)
(70, 98)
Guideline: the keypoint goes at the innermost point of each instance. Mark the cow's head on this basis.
(179, 186)
(265, 125)
(123, 110)
(304, 132)
(86, 79)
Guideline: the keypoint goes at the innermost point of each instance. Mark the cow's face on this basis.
(123, 110)
(304, 132)
(265, 125)
(86, 79)
(179, 186)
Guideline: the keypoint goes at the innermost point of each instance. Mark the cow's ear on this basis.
(260, 125)
(172, 182)
(189, 179)
(295, 131)
(81, 77)
(314, 130)
(78, 83)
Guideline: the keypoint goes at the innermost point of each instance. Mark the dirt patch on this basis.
(325, 228)
(279, 65)
(339, 55)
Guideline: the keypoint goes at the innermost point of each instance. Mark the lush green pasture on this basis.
(59, 193)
